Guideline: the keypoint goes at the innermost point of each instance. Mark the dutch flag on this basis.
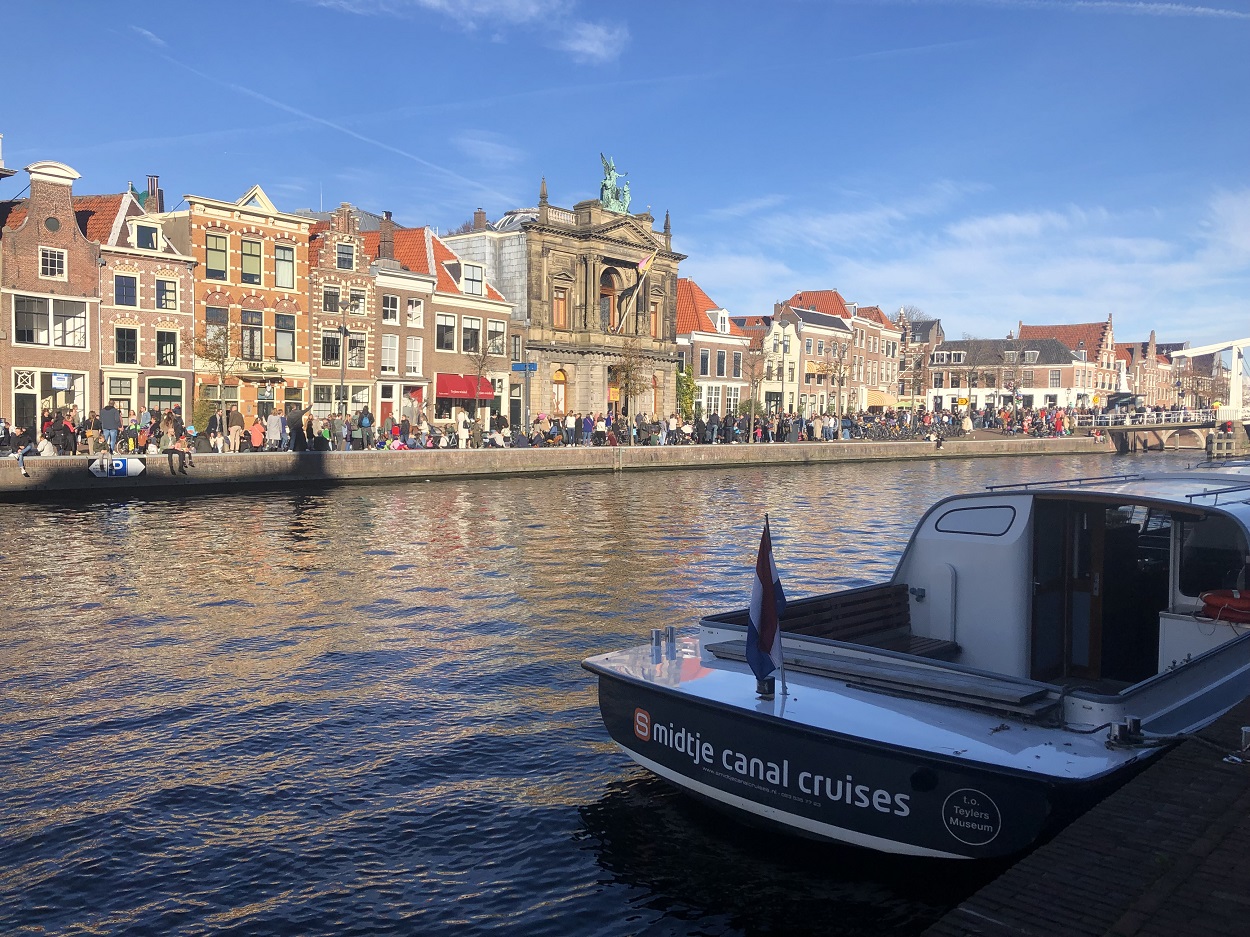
(768, 601)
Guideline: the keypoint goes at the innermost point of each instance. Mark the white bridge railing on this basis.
(1160, 418)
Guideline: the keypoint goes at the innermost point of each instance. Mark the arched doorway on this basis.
(609, 289)
(559, 384)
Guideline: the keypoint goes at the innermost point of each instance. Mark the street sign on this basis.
(525, 366)
(963, 401)
(116, 468)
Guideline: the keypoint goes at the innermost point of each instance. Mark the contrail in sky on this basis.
(1129, 7)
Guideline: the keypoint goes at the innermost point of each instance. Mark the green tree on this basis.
(685, 394)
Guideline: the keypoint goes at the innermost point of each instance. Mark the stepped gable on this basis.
(693, 306)
(1087, 336)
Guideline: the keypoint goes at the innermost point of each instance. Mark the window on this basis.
(790, 372)
(345, 256)
(164, 393)
(820, 347)
(251, 261)
(356, 350)
(560, 308)
(330, 299)
(1054, 377)
(681, 361)
(445, 332)
(69, 323)
(359, 302)
(807, 346)
(167, 349)
(284, 267)
(145, 237)
(215, 258)
(1026, 378)
(331, 342)
(227, 394)
(733, 395)
(51, 263)
(1213, 554)
(412, 360)
(390, 309)
(737, 372)
(470, 334)
(939, 380)
(494, 337)
(284, 340)
(30, 321)
(1030, 357)
(390, 354)
(473, 279)
(711, 399)
(416, 312)
(126, 346)
(1009, 357)
(720, 363)
(957, 357)
(1081, 355)
(655, 319)
(253, 335)
(705, 359)
(167, 294)
(939, 357)
(125, 290)
(516, 347)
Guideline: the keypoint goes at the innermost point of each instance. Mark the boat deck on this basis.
(1165, 855)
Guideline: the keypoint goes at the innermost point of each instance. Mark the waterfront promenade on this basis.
(71, 475)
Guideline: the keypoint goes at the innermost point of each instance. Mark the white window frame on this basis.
(54, 257)
(389, 353)
(171, 288)
(390, 309)
(439, 321)
(496, 328)
(472, 280)
(340, 256)
(283, 265)
(416, 312)
(467, 324)
(413, 349)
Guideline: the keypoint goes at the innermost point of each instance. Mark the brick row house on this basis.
(919, 338)
(250, 299)
(979, 373)
(425, 330)
(1149, 373)
(715, 351)
(1091, 342)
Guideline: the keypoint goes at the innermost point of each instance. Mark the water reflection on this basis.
(363, 709)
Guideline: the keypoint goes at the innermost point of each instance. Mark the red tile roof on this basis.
(95, 214)
(830, 302)
(316, 242)
(421, 251)
(693, 306)
(874, 314)
(1084, 336)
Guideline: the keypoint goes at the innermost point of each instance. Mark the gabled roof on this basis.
(316, 242)
(95, 214)
(988, 352)
(830, 302)
(1084, 336)
(821, 320)
(693, 308)
(874, 314)
(419, 250)
(922, 329)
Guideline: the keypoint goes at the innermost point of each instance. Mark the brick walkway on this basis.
(1167, 855)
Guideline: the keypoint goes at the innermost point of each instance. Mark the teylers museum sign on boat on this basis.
(1035, 646)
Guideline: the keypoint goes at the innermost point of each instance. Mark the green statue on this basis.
(612, 194)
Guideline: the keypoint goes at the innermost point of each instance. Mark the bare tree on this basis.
(835, 365)
(465, 227)
(219, 350)
(478, 359)
(753, 369)
(631, 373)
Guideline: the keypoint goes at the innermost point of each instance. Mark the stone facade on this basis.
(599, 301)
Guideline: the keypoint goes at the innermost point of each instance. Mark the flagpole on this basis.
(785, 690)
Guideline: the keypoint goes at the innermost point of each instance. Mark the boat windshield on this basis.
(1212, 555)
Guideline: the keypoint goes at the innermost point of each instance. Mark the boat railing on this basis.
(1216, 492)
(1075, 482)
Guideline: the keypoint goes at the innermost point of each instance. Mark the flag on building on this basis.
(768, 602)
(643, 265)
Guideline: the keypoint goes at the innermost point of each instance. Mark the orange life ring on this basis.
(1226, 605)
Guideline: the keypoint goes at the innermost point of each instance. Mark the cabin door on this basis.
(1067, 589)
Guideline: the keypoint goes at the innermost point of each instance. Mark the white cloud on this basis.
(1187, 278)
(487, 149)
(149, 36)
(592, 43)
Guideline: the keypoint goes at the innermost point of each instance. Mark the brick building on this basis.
(50, 279)
(344, 320)
(250, 302)
(714, 350)
(976, 373)
(1092, 342)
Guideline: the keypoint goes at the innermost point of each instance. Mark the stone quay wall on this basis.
(69, 476)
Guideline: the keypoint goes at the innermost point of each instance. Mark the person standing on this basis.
(273, 431)
(235, 427)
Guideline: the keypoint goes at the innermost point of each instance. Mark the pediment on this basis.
(256, 199)
(630, 231)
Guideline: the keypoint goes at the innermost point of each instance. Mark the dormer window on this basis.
(722, 322)
(1081, 355)
(1009, 357)
(1030, 357)
(145, 237)
(939, 357)
(473, 279)
(345, 256)
(957, 357)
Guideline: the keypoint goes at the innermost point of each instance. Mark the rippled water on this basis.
(362, 710)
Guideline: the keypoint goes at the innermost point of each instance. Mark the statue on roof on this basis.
(613, 195)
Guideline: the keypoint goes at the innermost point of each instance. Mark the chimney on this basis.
(479, 220)
(154, 201)
(386, 237)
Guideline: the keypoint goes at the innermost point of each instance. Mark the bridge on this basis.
(1152, 429)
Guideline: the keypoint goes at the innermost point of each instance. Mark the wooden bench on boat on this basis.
(877, 616)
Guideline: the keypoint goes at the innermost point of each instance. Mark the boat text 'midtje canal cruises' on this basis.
(1036, 645)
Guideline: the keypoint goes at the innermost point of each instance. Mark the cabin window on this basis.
(1212, 555)
(990, 521)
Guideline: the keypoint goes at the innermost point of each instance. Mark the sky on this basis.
(985, 161)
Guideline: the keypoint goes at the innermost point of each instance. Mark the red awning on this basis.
(461, 386)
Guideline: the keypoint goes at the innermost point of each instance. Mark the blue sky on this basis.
(984, 160)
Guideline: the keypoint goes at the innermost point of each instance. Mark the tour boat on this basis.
(1036, 646)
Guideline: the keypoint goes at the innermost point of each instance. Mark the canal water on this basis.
(361, 711)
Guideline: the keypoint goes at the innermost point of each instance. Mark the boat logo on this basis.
(642, 724)
(971, 817)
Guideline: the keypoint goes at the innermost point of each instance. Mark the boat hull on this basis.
(843, 789)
